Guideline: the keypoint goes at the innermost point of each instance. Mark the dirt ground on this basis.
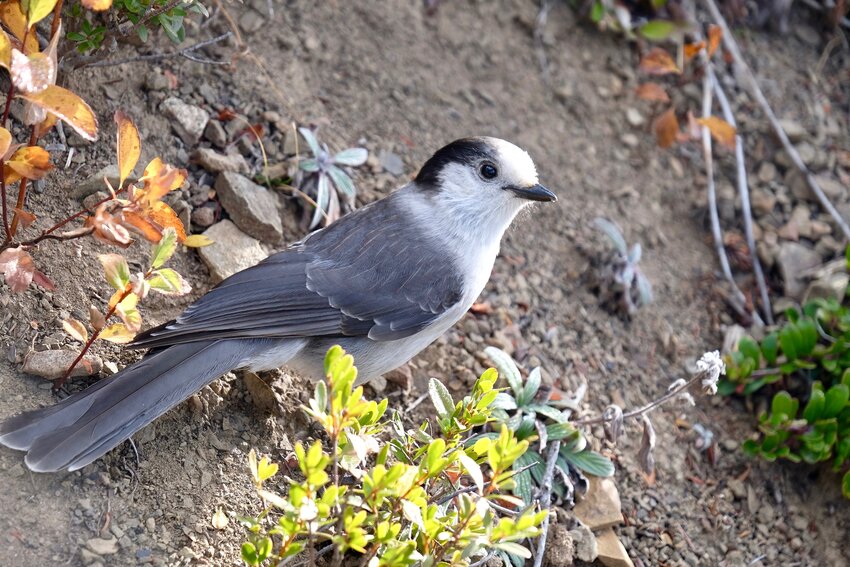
(397, 80)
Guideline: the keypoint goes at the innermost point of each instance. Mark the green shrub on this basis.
(808, 360)
(423, 498)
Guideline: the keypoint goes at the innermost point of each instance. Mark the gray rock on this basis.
(584, 543)
(92, 200)
(95, 183)
(252, 207)
(794, 259)
(204, 216)
(763, 201)
(251, 21)
(102, 546)
(232, 251)
(188, 121)
(794, 129)
(52, 364)
(216, 162)
(214, 132)
(634, 117)
(832, 286)
(630, 140)
(391, 162)
(767, 172)
(156, 82)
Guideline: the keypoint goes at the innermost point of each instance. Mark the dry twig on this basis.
(546, 500)
(755, 90)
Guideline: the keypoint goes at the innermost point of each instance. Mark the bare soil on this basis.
(399, 80)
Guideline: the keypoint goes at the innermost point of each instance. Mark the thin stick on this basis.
(546, 500)
(755, 89)
(712, 192)
(648, 407)
(7, 234)
(743, 189)
(185, 52)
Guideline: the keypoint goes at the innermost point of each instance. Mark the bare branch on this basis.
(546, 500)
(186, 53)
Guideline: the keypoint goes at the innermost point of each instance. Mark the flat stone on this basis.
(600, 507)
(611, 550)
(52, 364)
(232, 250)
(832, 286)
(794, 259)
(102, 546)
(216, 162)
(252, 207)
(95, 182)
(794, 130)
(188, 121)
(391, 163)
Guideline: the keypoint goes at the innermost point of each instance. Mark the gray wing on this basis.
(365, 275)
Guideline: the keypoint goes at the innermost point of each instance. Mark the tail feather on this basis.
(83, 427)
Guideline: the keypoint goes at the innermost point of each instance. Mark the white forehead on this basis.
(517, 165)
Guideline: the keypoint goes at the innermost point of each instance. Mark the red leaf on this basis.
(658, 62)
(17, 268)
(652, 92)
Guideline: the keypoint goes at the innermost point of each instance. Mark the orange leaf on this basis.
(160, 179)
(69, 107)
(27, 218)
(32, 162)
(33, 73)
(17, 268)
(714, 36)
(658, 62)
(129, 146)
(117, 333)
(722, 132)
(666, 127)
(97, 5)
(108, 228)
(692, 49)
(76, 329)
(653, 92)
(16, 22)
(165, 217)
(5, 141)
(143, 226)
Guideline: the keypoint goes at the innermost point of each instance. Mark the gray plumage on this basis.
(383, 282)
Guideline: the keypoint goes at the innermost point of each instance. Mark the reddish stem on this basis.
(59, 382)
(7, 234)
(22, 191)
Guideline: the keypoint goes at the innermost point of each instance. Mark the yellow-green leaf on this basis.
(76, 329)
(68, 107)
(117, 333)
(37, 10)
(198, 241)
(116, 270)
(129, 146)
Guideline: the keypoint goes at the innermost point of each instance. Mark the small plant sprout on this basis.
(533, 414)
(622, 285)
(324, 171)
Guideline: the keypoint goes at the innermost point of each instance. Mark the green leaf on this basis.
(559, 431)
(784, 404)
(249, 553)
(770, 348)
(441, 398)
(835, 400)
(514, 549)
(658, 30)
(789, 340)
(116, 270)
(590, 462)
(845, 485)
(310, 138)
(532, 385)
(750, 349)
(507, 368)
(473, 469)
(814, 409)
(548, 411)
(164, 249)
(352, 157)
(596, 13)
(342, 182)
(169, 282)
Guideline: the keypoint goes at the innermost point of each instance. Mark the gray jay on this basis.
(382, 282)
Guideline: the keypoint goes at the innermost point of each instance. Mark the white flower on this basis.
(711, 366)
(308, 510)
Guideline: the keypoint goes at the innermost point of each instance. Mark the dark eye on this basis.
(488, 171)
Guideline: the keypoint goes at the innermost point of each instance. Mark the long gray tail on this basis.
(84, 426)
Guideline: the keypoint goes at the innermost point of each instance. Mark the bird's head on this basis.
(487, 174)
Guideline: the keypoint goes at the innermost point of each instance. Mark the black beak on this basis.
(534, 193)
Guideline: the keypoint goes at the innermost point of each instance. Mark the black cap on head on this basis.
(465, 150)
